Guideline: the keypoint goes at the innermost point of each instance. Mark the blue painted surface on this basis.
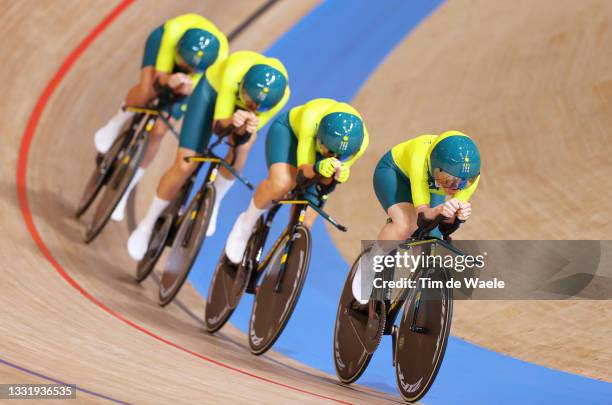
(340, 44)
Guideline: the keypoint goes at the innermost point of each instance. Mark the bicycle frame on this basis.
(395, 305)
(215, 161)
(298, 215)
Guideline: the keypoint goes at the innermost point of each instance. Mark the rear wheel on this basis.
(271, 308)
(188, 241)
(123, 171)
(228, 284)
(422, 336)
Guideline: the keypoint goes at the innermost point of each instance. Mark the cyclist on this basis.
(238, 96)
(416, 176)
(323, 136)
(175, 56)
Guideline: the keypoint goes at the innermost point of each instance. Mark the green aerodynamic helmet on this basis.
(342, 133)
(456, 154)
(198, 48)
(264, 85)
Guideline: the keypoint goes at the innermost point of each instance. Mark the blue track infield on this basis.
(331, 53)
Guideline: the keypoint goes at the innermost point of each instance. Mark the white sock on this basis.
(119, 211)
(121, 117)
(252, 214)
(222, 186)
(155, 209)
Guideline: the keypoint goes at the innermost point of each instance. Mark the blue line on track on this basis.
(330, 53)
(53, 380)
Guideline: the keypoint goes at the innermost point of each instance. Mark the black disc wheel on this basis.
(123, 172)
(422, 335)
(357, 331)
(275, 300)
(228, 284)
(188, 241)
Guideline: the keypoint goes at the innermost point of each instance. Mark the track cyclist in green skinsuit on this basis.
(323, 137)
(176, 55)
(239, 94)
(415, 177)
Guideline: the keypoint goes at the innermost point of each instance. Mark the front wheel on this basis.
(356, 336)
(187, 244)
(160, 234)
(423, 335)
(101, 172)
(123, 172)
(275, 300)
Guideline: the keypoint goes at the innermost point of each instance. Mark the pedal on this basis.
(99, 158)
(359, 307)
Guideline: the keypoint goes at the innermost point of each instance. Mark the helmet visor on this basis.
(183, 64)
(249, 103)
(324, 150)
(448, 181)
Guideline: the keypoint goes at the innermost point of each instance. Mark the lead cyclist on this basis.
(430, 174)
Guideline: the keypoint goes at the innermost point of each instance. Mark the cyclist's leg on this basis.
(392, 189)
(281, 147)
(138, 95)
(194, 137)
(155, 137)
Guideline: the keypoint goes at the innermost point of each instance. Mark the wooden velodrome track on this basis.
(559, 105)
(47, 326)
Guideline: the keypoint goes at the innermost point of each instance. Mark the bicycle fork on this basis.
(287, 248)
(198, 201)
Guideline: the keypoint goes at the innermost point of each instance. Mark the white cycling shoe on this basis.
(138, 243)
(363, 282)
(119, 212)
(105, 136)
(237, 239)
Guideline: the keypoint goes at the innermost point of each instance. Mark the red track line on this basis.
(24, 150)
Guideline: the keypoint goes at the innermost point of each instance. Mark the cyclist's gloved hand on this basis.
(181, 83)
(464, 211)
(239, 118)
(343, 173)
(252, 123)
(326, 167)
(450, 207)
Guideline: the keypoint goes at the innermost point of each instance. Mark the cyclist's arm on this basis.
(419, 188)
(165, 55)
(224, 108)
(306, 151)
